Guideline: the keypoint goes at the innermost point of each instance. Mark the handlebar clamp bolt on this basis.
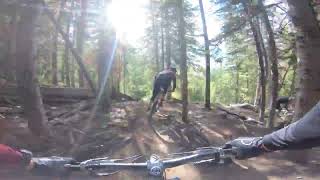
(155, 166)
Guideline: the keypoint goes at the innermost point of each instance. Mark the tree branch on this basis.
(227, 34)
(239, 27)
(284, 77)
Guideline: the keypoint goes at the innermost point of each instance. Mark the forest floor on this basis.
(126, 132)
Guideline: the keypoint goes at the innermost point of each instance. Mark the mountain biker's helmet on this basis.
(172, 68)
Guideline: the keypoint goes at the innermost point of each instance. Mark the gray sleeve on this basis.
(305, 133)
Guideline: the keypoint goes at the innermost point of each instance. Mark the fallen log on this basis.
(56, 114)
(84, 105)
(175, 100)
(60, 100)
(245, 106)
(13, 100)
(253, 121)
(220, 107)
(245, 120)
(10, 110)
(67, 111)
(8, 101)
(123, 97)
(52, 92)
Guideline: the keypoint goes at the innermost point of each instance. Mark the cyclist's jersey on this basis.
(302, 134)
(167, 76)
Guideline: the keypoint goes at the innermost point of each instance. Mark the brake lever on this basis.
(222, 156)
(232, 153)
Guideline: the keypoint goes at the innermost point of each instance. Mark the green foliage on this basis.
(240, 62)
(139, 74)
(222, 87)
(196, 85)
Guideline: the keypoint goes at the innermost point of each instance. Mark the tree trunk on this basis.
(80, 79)
(272, 51)
(116, 73)
(168, 48)
(105, 55)
(283, 79)
(168, 37)
(260, 58)
(237, 88)
(267, 72)
(293, 81)
(66, 56)
(248, 87)
(264, 51)
(207, 55)
(162, 46)
(124, 70)
(257, 98)
(12, 41)
(72, 73)
(73, 44)
(155, 38)
(80, 36)
(308, 52)
(54, 65)
(28, 87)
(167, 42)
(103, 59)
(183, 61)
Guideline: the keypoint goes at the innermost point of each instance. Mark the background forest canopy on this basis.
(149, 41)
(234, 64)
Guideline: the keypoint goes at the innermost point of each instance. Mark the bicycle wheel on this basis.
(155, 105)
(152, 119)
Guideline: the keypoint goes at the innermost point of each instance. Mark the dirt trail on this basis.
(219, 127)
(146, 142)
(125, 132)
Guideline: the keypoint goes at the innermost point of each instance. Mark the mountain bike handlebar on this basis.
(155, 166)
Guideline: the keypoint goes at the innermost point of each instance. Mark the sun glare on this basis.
(128, 18)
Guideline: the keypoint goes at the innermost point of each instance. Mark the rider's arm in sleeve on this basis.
(13, 158)
(302, 134)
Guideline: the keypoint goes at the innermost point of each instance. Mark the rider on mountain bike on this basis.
(162, 81)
